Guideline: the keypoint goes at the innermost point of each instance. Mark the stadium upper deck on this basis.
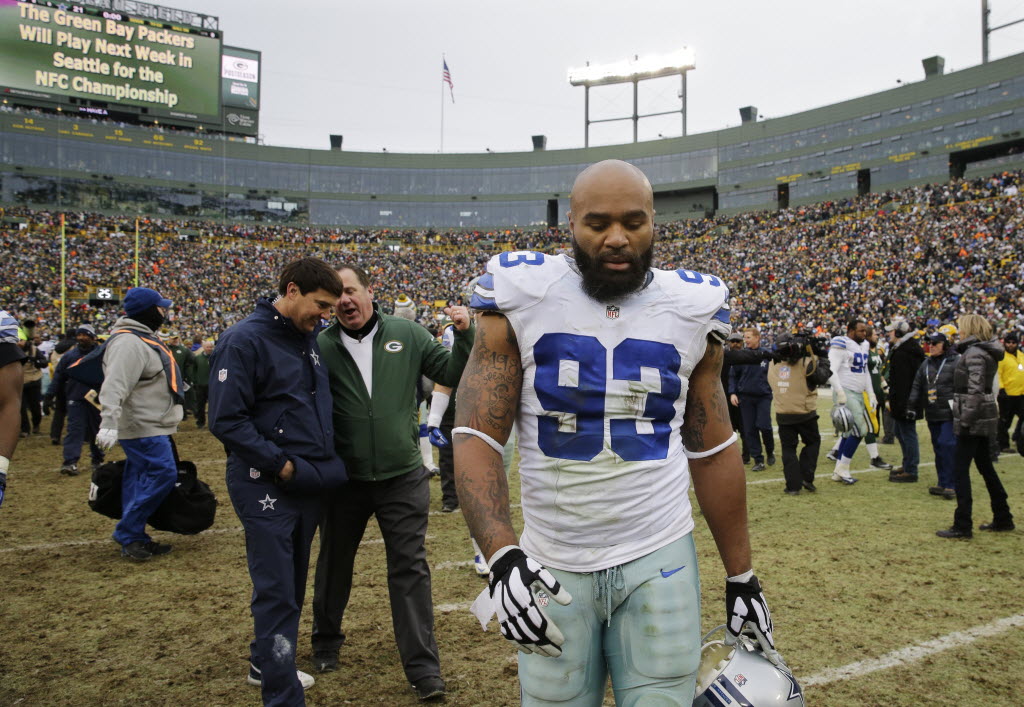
(970, 121)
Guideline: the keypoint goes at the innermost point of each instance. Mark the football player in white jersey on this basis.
(851, 386)
(611, 372)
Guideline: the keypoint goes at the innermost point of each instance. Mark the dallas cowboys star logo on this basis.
(316, 358)
(268, 502)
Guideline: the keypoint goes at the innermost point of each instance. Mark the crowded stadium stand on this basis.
(926, 252)
(964, 123)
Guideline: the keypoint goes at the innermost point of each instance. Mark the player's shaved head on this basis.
(609, 174)
(611, 218)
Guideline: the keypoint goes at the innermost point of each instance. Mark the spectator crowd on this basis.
(924, 253)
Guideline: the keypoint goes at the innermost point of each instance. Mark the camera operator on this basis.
(799, 366)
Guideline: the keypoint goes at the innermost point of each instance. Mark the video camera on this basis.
(793, 347)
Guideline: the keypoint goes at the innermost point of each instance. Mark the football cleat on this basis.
(255, 678)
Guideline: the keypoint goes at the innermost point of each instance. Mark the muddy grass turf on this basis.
(851, 574)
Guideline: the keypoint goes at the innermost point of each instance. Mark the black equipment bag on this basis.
(105, 489)
(189, 508)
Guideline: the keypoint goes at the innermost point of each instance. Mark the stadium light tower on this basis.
(633, 71)
(986, 30)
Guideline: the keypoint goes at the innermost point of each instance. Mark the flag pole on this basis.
(136, 252)
(63, 277)
(442, 105)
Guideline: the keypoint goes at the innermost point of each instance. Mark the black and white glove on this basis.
(520, 613)
(745, 606)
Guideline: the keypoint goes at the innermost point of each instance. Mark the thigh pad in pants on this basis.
(651, 645)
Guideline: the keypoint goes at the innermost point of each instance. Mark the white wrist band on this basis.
(438, 407)
(745, 577)
(710, 452)
(494, 444)
(4, 464)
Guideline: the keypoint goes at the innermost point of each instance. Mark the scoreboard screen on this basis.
(51, 50)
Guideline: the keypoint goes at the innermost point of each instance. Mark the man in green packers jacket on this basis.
(374, 362)
(186, 361)
(202, 378)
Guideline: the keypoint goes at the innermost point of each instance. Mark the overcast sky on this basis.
(371, 71)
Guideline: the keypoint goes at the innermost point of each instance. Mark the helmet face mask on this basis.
(742, 675)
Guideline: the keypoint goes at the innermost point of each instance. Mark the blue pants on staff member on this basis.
(83, 423)
(279, 529)
(150, 473)
(756, 412)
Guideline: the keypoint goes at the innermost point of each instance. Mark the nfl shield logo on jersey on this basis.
(611, 311)
(222, 375)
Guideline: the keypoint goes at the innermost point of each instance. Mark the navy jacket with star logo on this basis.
(270, 401)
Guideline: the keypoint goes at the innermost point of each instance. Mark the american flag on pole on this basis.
(446, 77)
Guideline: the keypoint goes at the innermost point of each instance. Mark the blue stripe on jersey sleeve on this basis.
(486, 303)
(8, 328)
(723, 315)
(486, 281)
(838, 345)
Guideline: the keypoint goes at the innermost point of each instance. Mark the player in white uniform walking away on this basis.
(851, 386)
(611, 372)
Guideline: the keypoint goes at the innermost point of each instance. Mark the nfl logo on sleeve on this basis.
(611, 311)
(222, 375)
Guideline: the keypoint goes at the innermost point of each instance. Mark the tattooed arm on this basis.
(488, 399)
(718, 480)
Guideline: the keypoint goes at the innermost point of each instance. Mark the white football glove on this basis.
(521, 617)
(106, 439)
(745, 606)
(840, 396)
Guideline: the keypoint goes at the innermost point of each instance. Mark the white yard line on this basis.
(448, 608)
(828, 474)
(912, 654)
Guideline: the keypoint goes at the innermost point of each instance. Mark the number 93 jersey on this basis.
(849, 361)
(602, 466)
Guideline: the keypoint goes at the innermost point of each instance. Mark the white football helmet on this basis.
(741, 675)
(842, 420)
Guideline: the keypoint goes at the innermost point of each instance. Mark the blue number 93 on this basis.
(587, 398)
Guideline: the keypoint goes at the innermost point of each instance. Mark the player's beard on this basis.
(603, 284)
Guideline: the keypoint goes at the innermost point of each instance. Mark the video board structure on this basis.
(127, 59)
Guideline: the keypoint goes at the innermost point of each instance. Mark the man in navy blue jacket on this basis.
(270, 404)
(749, 389)
(83, 417)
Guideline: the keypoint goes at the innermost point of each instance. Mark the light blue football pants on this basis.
(638, 622)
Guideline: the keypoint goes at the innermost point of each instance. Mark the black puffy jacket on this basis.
(975, 411)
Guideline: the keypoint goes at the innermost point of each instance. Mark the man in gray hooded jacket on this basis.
(141, 407)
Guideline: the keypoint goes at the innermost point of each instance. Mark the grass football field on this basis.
(870, 607)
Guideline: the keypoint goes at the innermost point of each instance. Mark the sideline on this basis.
(80, 543)
(828, 474)
(77, 543)
(915, 653)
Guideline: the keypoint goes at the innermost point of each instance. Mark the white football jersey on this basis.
(603, 471)
(849, 362)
